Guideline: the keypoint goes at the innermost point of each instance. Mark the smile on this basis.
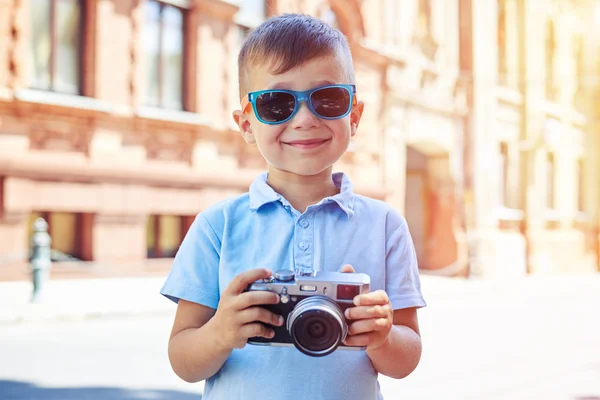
(306, 144)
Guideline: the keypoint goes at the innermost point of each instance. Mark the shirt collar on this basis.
(261, 193)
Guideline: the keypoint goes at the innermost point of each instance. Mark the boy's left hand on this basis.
(373, 318)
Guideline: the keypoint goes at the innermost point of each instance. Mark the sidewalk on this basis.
(66, 299)
(84, 299)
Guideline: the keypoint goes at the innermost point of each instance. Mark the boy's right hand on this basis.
(239, 315)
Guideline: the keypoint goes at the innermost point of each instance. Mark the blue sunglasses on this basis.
(277, 106)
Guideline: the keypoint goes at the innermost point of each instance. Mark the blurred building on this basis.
(532, 135)
(115, 125)
(116, 118)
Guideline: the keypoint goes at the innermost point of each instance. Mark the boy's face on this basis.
(305, 144)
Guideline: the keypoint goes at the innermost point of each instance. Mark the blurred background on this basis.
(481, 126)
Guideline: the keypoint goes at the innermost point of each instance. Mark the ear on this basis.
(243, 122)
(355, 116)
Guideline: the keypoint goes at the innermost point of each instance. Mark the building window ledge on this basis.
(582, 220)
(62, 100)
(383, 54)
(552, 218)
(247, 22)
(180, 117)
(583, 216)
(551, 215)
(509, 219)
(509, 214)
(509, 95)
(223, 9)
(552, 109)
(185, 4)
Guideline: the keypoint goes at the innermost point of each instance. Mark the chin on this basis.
(306, 171)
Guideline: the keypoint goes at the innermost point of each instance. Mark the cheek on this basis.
(267, 136)
(341, 129)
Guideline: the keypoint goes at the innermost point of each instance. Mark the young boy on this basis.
(299, 107)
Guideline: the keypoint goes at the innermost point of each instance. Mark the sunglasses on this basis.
(277, 106)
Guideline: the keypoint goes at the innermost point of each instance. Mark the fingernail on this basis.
(347, 313)
(271, 334)
(280, 321)
(356, 301)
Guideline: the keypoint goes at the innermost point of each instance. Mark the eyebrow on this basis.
(287, 85)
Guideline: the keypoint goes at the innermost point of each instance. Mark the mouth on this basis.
(306, 144)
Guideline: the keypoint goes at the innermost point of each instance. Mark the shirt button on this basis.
(303, 245)
(304, 223)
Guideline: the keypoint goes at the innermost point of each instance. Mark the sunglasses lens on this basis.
(275, 106)
(331, 102)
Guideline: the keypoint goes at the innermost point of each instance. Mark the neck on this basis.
(302, 190)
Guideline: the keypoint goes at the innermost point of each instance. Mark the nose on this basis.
(304, 118)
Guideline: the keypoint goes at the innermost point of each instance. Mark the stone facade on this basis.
(120, 181)
(532, 193)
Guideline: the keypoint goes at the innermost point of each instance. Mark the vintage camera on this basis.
(313, 309)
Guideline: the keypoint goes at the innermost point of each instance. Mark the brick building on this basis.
(532, 186)
(115, 125)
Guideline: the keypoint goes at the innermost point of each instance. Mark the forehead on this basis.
(327, 69)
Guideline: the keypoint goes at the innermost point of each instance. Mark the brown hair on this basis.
(288, 41)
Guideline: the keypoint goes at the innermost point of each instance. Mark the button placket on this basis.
(303, 256)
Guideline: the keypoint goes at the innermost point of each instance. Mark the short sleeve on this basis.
(403, 284)
(194, 275)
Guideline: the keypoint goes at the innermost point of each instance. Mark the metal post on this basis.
(40, 261)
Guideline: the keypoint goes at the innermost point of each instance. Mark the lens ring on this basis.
(331, 102)
(312, 310)
(274, 106)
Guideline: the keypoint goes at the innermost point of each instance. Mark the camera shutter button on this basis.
(284, 275)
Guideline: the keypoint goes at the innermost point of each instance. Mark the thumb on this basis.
(348, 268)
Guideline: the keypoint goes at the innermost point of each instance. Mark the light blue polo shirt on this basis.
(261, 229)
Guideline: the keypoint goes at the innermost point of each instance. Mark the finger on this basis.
(259, 314)
(364, 339)
(241, 281)
(256, 329)
(366, 312)
(378, 297)
(369, 325)
(255, 298)
(348, 268)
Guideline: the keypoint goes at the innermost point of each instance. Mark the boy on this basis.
(299, 107)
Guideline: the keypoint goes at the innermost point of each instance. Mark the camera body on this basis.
(313, 309)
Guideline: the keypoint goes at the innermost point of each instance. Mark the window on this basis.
(164, 55)
(508, 45)
(579, 62)
(502, 45)
(550, 181)
(503, 171)
(71, 234)
(55, 45)
(551, 92)
(580, 185)
(424, 32)
(424, 22)
(164, 234)
(252, 12)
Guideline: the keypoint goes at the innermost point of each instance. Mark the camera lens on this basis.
(316, 330)
(317, 326)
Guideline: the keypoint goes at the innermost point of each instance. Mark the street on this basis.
(101, 359)
(535, 338)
